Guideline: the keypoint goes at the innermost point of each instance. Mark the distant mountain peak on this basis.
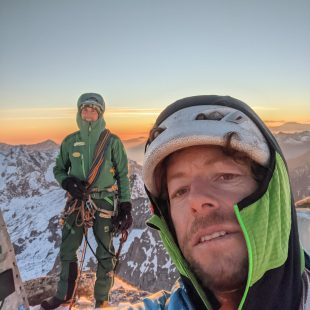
(47, 145)
(290, 127)
(48, 141)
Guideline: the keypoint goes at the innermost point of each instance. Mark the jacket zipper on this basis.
(83, 166)
(250, 255)
(89, 142)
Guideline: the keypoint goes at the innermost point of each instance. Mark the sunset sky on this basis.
(142, 55)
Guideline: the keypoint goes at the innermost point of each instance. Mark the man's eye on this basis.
(228, 176)
(180, 192)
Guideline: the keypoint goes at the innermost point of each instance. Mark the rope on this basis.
(98, 157)
(86, 214)
(122, 240)
(92, 250)
(86, 211)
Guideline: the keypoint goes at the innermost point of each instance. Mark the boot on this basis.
(54, 302)
(51, 303)
(101, 304)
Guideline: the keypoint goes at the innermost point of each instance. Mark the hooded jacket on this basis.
(76, 156)
(277, 277)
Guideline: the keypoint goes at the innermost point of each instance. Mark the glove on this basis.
(123, 220)
(75, 187)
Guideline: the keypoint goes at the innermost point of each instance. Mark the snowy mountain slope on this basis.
(147, 262)
(32, 201)
(25, 172)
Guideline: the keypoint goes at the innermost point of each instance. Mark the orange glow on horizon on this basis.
(28, 135)
(29, 132)
(33, 136)
(30, 126)
(34, 126)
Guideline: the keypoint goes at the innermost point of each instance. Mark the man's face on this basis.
(203, 185)
(89, 114)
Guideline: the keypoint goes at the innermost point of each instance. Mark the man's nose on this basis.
(203, 197)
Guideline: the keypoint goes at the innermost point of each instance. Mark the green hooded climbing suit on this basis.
(75, 159)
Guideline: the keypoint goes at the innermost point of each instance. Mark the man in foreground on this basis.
(91, 162)
(222, 201)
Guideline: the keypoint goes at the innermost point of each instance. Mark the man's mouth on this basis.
(212, 236)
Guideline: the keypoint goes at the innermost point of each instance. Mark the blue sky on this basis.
(143, 54)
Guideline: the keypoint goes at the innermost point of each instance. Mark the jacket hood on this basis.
(91, 99)
(268, 221)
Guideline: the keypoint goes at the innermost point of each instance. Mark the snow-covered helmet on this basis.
(91, 100)
(202, 120)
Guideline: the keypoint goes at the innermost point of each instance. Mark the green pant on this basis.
(72, 237)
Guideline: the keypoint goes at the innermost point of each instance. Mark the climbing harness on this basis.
(85, 210)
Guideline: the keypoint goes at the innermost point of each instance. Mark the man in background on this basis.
(91, 166)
